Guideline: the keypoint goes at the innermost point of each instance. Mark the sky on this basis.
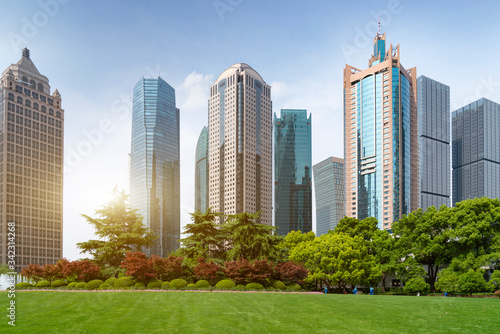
(94, 52)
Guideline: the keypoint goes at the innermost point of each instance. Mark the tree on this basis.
(204, 238)
(244, 272)
(383, 248)
(290, 272)
(82, 270)
(4, 268)
(447, 281)
(249, 239)
(120, 230)
(354, 227)
(207, 270)
(291, 240)
(139, 266)
(495, 279)
(472, 281)
(33, 271)
(417, 284)
(424, 236)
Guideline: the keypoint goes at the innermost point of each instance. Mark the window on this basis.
(35, 106)
(19, 100)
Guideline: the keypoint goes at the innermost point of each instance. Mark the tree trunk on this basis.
(384, 277)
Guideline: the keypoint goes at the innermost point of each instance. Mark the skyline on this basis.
(301, 62)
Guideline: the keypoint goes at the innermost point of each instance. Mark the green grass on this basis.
(263, 313)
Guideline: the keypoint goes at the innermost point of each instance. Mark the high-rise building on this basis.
(240, 143)
(292, 172)
(381, 139)
(154, 162)
(329, 189)
(476, 150)
(201, 172)
(31, 166)
(433, 105)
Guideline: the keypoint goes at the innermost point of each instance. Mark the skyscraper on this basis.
(433, 100)
(201, 172)
(381, 139)
(476, 150)
(31, 166)
(154, 162)
(329, 190)
(292, 172)
(240, 143)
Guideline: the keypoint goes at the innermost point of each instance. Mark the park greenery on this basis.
(445, 249)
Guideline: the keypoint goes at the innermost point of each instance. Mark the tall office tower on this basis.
(240, 143)
(31, 166)
(381, 139)
(476, 150)
(292, 172)
(329, 189)
(433, 105)
(201, 172)
(154, 162)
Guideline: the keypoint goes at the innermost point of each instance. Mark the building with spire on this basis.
(201, 172)
(154, 162)
(31, 166)
(240, 143)
(381, 139)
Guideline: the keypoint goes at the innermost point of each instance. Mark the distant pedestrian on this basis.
(371, 290)
(446, 294)
(325, 290)
(355, 291)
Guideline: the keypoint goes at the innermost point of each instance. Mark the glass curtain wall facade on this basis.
(381, 140)
(31, 166)
(330, 197)
(154, 162)
(201, 172)
(433, 104)
(292, 172)
(476, 150)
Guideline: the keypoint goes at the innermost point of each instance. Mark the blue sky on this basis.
(95, 51)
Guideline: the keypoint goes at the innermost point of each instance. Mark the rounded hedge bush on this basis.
(165, 285)
(43, 284)
(111, 281)
(123, 282)
(279, 285)
(104, 286)
(178, 283)
(94, 284)
(294, 287)
(225, 284)
(191, 286)
(203, 284)
(23, 285)
(240, 287)
(58, 283)
(139, 286)
(254, 286)
(80, 285)
(156, 284)
(72, 285)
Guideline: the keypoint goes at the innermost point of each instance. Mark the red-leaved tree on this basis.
(139, 266)
(173, 268)
(82, 270)
(33, 271)
(290, 272)
(207, 270)
(244, 272)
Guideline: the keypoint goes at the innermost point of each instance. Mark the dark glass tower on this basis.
(154, 162)
(292, 155)
(476, 150)
(201, 172)
(433, 105)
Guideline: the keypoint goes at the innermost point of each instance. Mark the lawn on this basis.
(238, 312)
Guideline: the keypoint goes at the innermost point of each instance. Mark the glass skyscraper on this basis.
(201, 172)
(381, 139)
(154, 162)
(433, 104)
(329, 190)
(476, 150)
(292, 172)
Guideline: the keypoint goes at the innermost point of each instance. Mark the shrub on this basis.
(294, 287)
(240, 287)
(23, 285)
(139, 286)
(104, 286)
(225, 284)
(93, 285)
(203, 284)
(80, 285)
(191, 286)
(207, 270)
(417, 284)
(497, 294)
(58, 283)
(43, 284)
(289, 272)
(72, 285)
(279, 285)
(123, 282)
(138, 265)
(178, 283)
(472, 281)
(165, 285)
(156, 284)
(254, 286)
(111, 281)
(244, 272)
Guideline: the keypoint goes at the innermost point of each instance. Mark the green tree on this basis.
(447, 281)
(120, 230)
(495, 279)
(205, 238)
(291, 240)
(4, 269)
(417, 284)
(249, 239)
(383, 248)
(472, 281)
(354, 227)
